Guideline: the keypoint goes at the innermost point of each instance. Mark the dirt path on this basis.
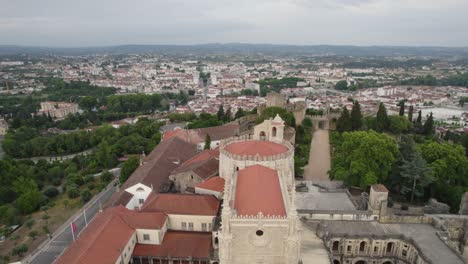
(319, 160)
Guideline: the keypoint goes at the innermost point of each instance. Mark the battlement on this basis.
(257, 157)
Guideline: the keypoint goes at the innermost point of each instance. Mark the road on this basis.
(62, 238)
(319, 159)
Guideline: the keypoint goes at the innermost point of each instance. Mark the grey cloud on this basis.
(359, 22)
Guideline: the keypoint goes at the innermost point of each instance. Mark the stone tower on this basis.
(259, 222)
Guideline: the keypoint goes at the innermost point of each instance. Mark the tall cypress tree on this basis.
(220, 113)
(428, 127)
(402, 108)
(381, 122)
(356, 116)
(410, 113)
(419, 120)
(343, 123)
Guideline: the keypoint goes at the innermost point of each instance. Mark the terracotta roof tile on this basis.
(254, 147)
(258, 190)
(155, 171)
(183, 204)
(213, 184)
(178, 244)
(198, 135)
(205, 164)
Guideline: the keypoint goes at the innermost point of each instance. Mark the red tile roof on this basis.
(198, 135)
(109, 231)
(205, 164)
(254, 147)
(178, 244)
(258, 190)
(155, 171)
(213, 184)
(183, 204)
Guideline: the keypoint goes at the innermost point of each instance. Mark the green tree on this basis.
(341, 85)
(104, 155)
(399, 124)
(88, 103)
(128, 168)
(239, 113)
(356, 116)
(402, 108)
(271, 112)
(227, 115)
(418, 175)
(207, 142)
(381, 121)
(363, 158)
(85, 196)
(419, 119)
(410, 113)
(343, 124)
(428, 128)
(72, 191)
(220, 113)
(450, 169)
(30, 196)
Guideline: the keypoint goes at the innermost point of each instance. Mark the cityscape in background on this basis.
(220, 132)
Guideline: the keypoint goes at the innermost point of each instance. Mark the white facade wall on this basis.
(175, 222)
(126, 252)
(155, 236)
(139, 191)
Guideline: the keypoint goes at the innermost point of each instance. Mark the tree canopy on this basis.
(363, 158)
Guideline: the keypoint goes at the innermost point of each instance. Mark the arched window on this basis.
(139, 189)
(362, 246)
(387, 262)
(216, 241)
(336, 261)
(335, 246)
(389, 247)
(361, 262)
(262, 135)
(273, 132)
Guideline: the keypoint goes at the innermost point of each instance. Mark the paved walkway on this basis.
(62, 238)
(319, 159)
(312, 249)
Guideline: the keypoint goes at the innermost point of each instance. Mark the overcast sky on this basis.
(305, 22)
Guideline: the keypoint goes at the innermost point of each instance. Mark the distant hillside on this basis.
(233, 48)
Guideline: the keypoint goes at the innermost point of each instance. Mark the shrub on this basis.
(29, 223)
(33, 235)
(106, 176)
(51, 192)
(19, 250)
(72, 191)
(85, 196)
